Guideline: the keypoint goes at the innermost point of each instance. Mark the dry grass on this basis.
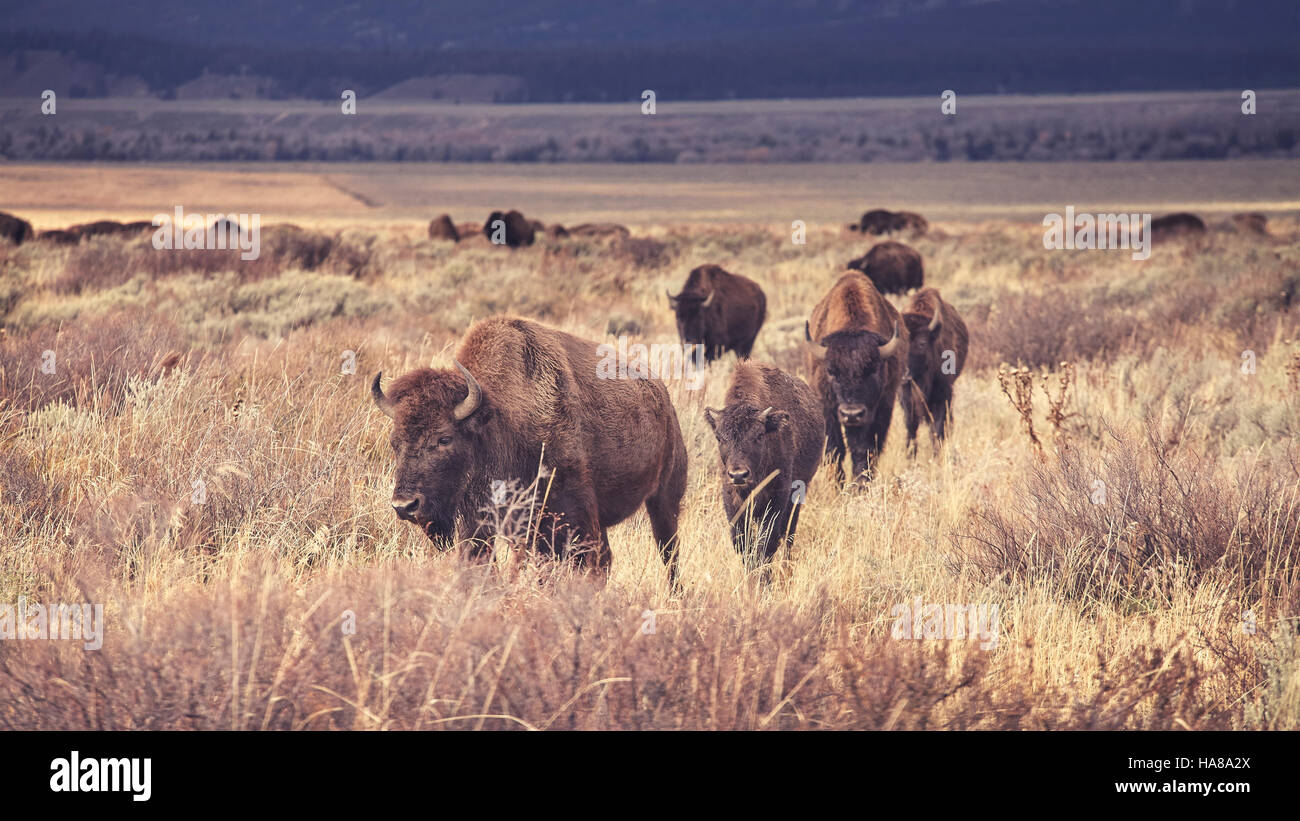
(1123, 613)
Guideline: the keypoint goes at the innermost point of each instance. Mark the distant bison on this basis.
(556, 231)
(524, 399)
(295, 246)
(600, 230)
(719, 310)
(892, 267)
(102, 228)
(937, 344)
(856, 354)
(14, 229)
(511, 229)
(443, 228)
(909, 221)
(880, 221)
(58, 237)
(1176, 225)
(1251, 223)
(771, 422)
(138, 228)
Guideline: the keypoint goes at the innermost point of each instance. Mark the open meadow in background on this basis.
(1117, 480)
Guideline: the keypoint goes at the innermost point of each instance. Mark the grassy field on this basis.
(1129, 502)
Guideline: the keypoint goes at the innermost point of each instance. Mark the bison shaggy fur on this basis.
(771, 421)
(894, 268)
(517, 230)
(523, 402)
(937, 344)
(719, 310)
(14, 229)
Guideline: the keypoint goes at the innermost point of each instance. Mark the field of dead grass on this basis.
(1142, 548)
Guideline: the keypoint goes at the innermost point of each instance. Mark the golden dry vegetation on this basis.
(1168, 601)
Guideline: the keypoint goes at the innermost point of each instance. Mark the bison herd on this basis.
(511, 229)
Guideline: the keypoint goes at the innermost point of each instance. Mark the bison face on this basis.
(751, 443)
(692, 316)
(856, 372)
(436, 417)
(923, 347)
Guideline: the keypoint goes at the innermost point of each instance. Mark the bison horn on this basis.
(383, 402)
(938, 317)
(472, 399)
(892, 345)
(818, 351)
(709, 301)
(672, 300)
(762, 417)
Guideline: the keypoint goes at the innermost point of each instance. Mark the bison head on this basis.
(692, 315)
(855, 363)
(923, 347)
(752, 442)
(437, 417)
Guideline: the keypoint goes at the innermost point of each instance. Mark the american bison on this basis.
(856, 354)
(101, 228)
(443, 228)
(14, 229)
(525, 399)
(599, 230)
(719, 310)
(1173, 226)
(58, 237)
(511, 229)
(295, 246)
(894, 268)
(880, 221)
(937, 344)
(771, 422)
(909, 221)
(138, 228)
(556, 231)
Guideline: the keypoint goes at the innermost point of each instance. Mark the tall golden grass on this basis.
(292, 598)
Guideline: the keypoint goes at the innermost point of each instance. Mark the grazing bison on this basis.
(909, 221)
(892, 267)
(102, 228)
(601, 230)
(1251, 223)
(14, 229)
(719, 310)
(522, 397)
(513, 230)
(937, 344)
(58, 237)
(878, 221)
(771, 421)
(295, 246)
(138, 228)
(1176, 225)
(856, 354)
(443, 228)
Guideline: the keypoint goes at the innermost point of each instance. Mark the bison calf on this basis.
(892, 267)
(719, 310)
(524, 400)
(856, 355)
(771, 422)
(937, 344)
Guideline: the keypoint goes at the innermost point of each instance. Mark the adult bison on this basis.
(1177, 225)
(101, 228)
(525, 399)
(512, 229)
(937, 344)
(443, 228)
(878, 221)
(894, 268)
(56, 236)
(856, 354)
(719, 310)
(910, 221)
(771, 422)
(14, 229)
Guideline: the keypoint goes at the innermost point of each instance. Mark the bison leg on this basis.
(912, 418)
(835, 444)
(866, 443)
(941, 410)
(664, 509)
(571, 524)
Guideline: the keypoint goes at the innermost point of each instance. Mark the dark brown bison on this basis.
(525, 399)
(138, 228)
(599, 230)
(719, 310)
(102, 228)
(1173, 226)
(856, 354)
(878, 221)
(894, 268)
(1251, 224)
(909, 221)
(58, 237)
(443, 228)
(937, 344)
(511, 229)
(771, 422)
(295, 246)
(14, 229)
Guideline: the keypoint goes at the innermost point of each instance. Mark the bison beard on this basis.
(771, 422)
(522, 396)
(856, 354)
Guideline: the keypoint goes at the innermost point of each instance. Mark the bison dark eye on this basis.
(444, 440)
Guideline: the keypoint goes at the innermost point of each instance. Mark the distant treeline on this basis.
(748, 69)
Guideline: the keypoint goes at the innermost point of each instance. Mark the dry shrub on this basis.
(94, 359)
(642, 252)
